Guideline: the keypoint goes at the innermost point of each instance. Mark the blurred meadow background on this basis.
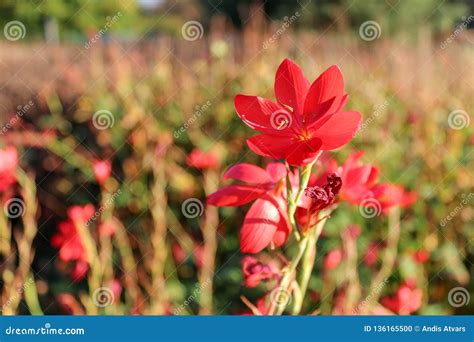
(144, 83)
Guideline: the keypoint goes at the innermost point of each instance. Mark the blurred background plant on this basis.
(122, 115)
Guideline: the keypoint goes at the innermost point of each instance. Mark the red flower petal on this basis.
(256, 112)
(276, 171)
(291, 86)
(270, 145)
(248, 173)
(338, 130)
(234, 195)
(325, 94)
(303, 152)
(259, 226)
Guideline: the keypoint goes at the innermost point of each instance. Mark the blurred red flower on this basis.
(202, 160)
(102, 170)
(372, 254)
(68, 241)
(421, 256)
(266, 221)
(305, 119)
(391, 195)
(256, 271)
(333, 259)
(406, 300)
(8, 165)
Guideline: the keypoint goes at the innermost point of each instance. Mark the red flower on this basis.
(304, 120)
(332, 259)
(68, 241)
(391, 195)
(8, 165)
(266, 221)
(102, 170)
(357, 179)
(421, 256)
(255, 271)
(406, 300)
(372, 254)
(323, 197)
(202, 160)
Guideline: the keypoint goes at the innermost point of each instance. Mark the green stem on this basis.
(286, 280)
(308, 260)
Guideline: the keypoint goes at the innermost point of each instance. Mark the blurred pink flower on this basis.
(102, 170)
(8, 165)
(202, 160)
(256, 271)
(332, 259)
